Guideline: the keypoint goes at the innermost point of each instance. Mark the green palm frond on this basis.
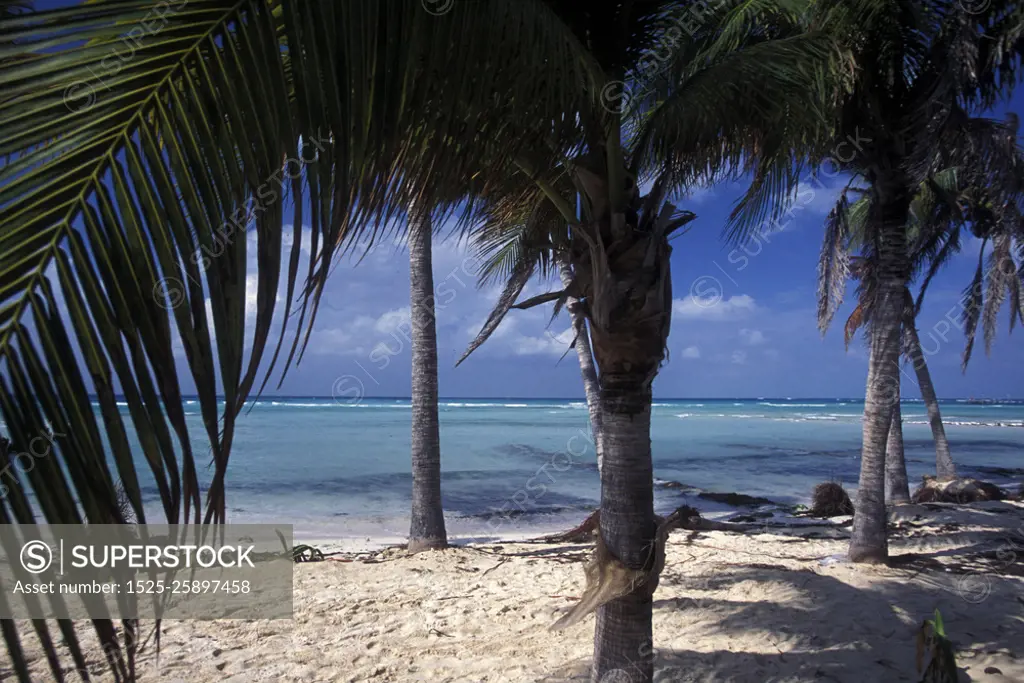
(738, 115)
(521, 234)
(515, 227)
(1013, 287)
(1000, 55)
(126, 162)
(524, 269)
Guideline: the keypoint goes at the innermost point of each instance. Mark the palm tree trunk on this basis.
(944, 467)
(623, 636)
(588, 370)
(427, 529)
(868, 541)
(897, 490)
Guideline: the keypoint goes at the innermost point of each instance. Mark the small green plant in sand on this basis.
(935, 659)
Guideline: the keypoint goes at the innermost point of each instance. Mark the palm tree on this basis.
(921, 66)
(133, 169)
(585, 356)
(944, 204)
(846, 231)
(948, 203)
(426, 530)
(714, 108)
(537, 245)
(897, 489)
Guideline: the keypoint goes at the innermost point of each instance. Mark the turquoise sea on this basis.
(340, 469)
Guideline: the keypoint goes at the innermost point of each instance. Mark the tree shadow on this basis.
(810, 626)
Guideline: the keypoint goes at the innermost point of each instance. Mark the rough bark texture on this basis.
(897, 489)
(427, 530)
(623, 639)
(944, 467)
(868, 541)
(591, 387)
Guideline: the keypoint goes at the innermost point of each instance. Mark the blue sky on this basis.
(744, 322)
(759, 338)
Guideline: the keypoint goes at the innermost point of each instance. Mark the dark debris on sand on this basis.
(960, 490)
(830, 499)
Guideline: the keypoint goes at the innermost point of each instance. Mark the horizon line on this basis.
(583, 399)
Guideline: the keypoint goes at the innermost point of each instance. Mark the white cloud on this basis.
(549, 344)
(739, 357)
(392, 320)
(815, 196)
(714, 308)
(334, 340)
(252, 285)
(363, 334)
(691, 352)
(698, 194)
(508, 325)
(752, 337)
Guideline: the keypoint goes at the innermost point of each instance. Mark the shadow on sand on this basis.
(811, 626)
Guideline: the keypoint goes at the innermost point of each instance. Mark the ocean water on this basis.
(341, 470)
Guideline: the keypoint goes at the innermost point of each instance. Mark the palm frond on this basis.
(972, 301)
(1016, 301)
(854, 323)
(950, 247)
(834, 263)
(720, 121)
(1000, 272)
(513, 288)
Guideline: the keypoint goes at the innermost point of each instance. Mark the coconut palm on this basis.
(538, 245)
(897, 488)
(944, 205)
(426, 530)
(921, 67)
(950, 203)
(142, 147)
(585, 355)
(734, 97)
(846, 231)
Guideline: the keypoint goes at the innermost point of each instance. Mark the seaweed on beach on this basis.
(830, 500)
(302, 552)
(306, 553)
(958, 491)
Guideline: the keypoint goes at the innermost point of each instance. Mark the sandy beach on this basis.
(770, 604)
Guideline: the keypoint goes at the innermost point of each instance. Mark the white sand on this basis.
(770, 606)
